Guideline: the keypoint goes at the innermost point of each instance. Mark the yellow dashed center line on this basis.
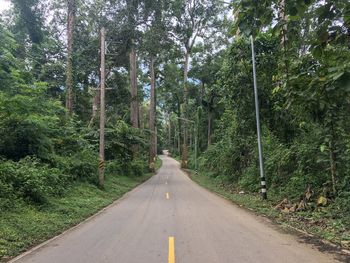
(167, 196)
(171, 257)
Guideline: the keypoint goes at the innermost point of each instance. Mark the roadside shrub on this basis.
(82, 166)
(7, 194)
(250, 179)
(30, 180)
(113, 167)
(27, 125)
(134, 168)
(137, 167)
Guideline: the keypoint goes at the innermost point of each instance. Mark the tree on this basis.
(193, 19)
(71, 6)
(155, 42)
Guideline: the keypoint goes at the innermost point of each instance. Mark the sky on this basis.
(4, 5)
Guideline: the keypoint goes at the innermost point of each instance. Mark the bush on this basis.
(81, 166)
(138, 167)
(30, 180)
(113, 167)
(7, 194)
(27, 125)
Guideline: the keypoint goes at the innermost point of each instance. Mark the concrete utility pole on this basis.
(261, 160)
(101, 166)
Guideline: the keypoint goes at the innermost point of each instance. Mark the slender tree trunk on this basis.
(133, 89)
(184, 163)
(179, 124)
(175, 134)
(179, 142)
(209, 126)
(333, 157)
(190, 135)
(152, 120)
(169, 135)
(101, 166)
(69, 68)
(156, 136)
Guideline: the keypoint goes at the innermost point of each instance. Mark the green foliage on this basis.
(30, 180)
(27, 124)
(304, 114)
(80, 166)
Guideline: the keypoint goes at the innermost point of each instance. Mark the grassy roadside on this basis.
(318, 223)
(27, 225)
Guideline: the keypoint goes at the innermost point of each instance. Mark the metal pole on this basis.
(101, 166)
(261, 161)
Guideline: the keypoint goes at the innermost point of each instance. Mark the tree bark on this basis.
(134, 107)
(134, 112)
(69, 68)
(184, 163)
(152, 120)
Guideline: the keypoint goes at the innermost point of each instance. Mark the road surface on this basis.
(171, 219)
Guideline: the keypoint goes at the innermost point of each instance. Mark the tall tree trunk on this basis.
(134, 112)
(134, 107)
(152, 120)
(69, 68)
(209, 126)
(184, 163)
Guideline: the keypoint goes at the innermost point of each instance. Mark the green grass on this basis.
(158, 163)
(26, 225)
(322, 223)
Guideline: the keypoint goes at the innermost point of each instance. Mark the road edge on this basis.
(86, 220)
(284, 227)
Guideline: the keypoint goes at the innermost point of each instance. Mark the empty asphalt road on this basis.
(171, 219)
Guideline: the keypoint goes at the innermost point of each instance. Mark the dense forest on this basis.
(179, 76)
(302, 53)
